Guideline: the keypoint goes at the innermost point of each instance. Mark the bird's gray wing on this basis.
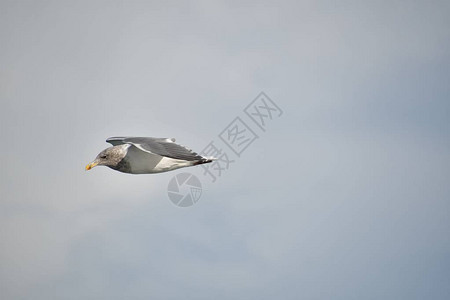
(119, 140)
(159, 146)
(116, 140)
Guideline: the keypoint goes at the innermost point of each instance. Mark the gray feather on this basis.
(160, 146)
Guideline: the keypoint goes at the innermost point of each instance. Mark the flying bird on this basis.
(146, 155)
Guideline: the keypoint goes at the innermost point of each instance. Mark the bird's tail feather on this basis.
(205, 160)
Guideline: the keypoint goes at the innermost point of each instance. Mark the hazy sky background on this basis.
(346, 196)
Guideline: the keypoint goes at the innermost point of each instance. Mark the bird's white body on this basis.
(147, 163)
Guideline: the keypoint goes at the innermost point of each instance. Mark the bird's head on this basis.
(109, 157)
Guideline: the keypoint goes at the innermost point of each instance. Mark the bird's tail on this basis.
(204, 160)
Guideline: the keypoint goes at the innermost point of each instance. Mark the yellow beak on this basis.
(91, 165)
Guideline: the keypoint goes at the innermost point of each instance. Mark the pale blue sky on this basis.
(346, 196)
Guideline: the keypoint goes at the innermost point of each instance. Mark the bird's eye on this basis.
(103, 156)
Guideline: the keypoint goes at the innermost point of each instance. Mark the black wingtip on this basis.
(203, 161)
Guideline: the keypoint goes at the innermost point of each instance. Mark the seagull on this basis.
(146, 155)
